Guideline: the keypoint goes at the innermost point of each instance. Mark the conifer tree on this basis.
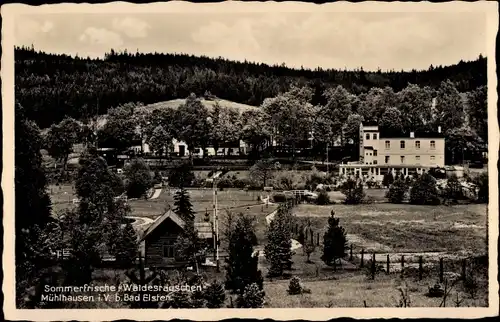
(278, 248)
(183, 206)
(241, 263)
(334, 242)
(215, 295)
(127, 247)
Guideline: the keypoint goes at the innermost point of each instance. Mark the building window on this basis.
(168, 248)
(402, 144)
(374, 161)
(387, 144)
(433, 158)
(370, 154)
(417, 158)
(374, 136)
(433, 144)
(402, 159)
(374, 153)
(387, 159)
(417, 144)
(367, 136)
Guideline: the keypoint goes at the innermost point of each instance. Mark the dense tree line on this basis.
(52, 86)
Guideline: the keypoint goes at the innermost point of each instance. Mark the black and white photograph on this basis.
(250, 156)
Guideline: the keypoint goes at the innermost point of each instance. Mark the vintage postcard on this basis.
(269, 160)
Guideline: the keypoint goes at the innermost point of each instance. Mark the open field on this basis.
(395, 228)
(201, 199)
(208, 103)
(352, 289)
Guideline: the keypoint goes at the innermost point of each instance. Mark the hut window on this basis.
(168, 248)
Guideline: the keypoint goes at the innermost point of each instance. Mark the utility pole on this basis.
(216, 225)
(326, 157)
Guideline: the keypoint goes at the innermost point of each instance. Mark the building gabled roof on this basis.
(204, 229)
(169, 214)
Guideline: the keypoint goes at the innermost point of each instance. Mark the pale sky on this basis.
(386, 40)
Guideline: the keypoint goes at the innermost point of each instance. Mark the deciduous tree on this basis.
(138, 178)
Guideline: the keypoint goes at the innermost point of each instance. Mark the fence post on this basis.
(317, 239)
(362, 257)
(305, 235)
(441, 272)
(373, 267)
(402, 262)
(388, 264)
(464, 263)
(350, 253)
(312, 238)
(420, 267)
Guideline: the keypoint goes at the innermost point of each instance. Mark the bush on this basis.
(482, 183)
(388, 179)
(281, 197)
(295, 286)
(323, 198)
(353, 191)
(251, 298)
(453, 190)
(424, 191)
(397, 192)
(436, 291)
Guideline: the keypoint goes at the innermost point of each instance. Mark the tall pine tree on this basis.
(278, 248)
(183, 206)
(241, 264)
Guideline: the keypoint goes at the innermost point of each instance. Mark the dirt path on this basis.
(156, 194)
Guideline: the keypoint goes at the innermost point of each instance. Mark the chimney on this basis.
(439, 129)
(412, 135)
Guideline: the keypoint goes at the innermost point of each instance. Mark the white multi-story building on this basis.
(380, 153)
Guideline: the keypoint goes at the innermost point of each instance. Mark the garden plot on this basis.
(405, 228)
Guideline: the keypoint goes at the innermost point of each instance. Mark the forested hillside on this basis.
(51, 86)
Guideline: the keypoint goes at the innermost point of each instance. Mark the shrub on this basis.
(482, 183)
(453, 190)
(252, 297)
(388, 179)
(424, 191)
(397, 192)
(353, 191)
(323, 198)
(436, 291)
(294, 287)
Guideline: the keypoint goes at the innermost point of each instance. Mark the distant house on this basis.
(158, 241)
